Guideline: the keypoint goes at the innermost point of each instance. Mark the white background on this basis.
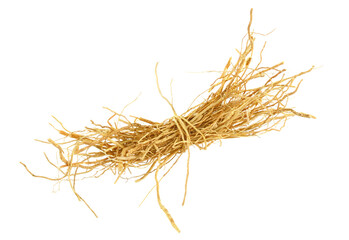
(71, 58)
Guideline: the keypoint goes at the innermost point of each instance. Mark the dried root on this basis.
(232, 109)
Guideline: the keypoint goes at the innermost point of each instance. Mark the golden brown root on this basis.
(231, 109)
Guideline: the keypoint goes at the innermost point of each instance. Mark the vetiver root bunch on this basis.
(232, 109)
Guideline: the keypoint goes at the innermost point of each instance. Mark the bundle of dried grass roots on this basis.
(230, 110)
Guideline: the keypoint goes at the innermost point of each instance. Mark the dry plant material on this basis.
(231, 109)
